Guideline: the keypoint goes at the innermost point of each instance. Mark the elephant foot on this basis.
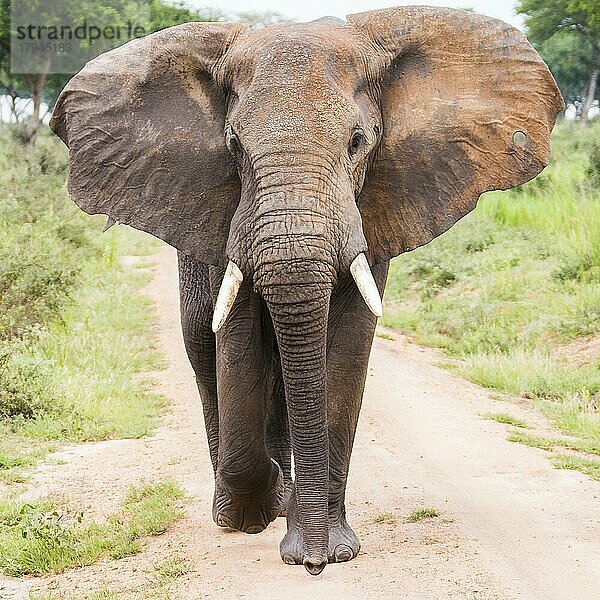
(343, 545)
(250, 513)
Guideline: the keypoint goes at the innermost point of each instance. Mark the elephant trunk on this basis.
(295, 248)
(299, 313)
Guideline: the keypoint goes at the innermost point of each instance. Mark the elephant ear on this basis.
(467, 106)
(144, 127)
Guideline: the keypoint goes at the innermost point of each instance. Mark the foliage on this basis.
(421, 514)
(171, 569)
(593, 170)
(577, 463)
(543, 18)
(47, 85)
(567, 34)
(544, 443)
(165, 14)
(23, 390)
(533, 441)
(41, 537)
(34, 215)
(68, 350)
(506, 419)
(103, 594)
(568, 56)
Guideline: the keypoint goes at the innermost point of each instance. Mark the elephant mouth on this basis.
(233, 278)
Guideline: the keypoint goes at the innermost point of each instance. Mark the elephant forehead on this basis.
(300, 53)
(296, 79)
(293, 109)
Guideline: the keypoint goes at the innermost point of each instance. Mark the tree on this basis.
(41, 81)
(557, 27)
(165, 14)
(568, 56)
(6, 80)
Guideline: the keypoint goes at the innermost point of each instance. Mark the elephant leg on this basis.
(279, 444)
(196, 316)
(249, 483)
(351, 328)
(350, 337)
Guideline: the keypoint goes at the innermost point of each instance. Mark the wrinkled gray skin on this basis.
(299, 322)
(247, 423)
(290, 151)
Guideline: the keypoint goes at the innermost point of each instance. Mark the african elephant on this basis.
(288, 165)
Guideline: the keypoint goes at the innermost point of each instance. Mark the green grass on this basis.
(534, 441)
(385, 518)
(171, 569)
(384, 336)
(577, 463)
(159, 580)
(43, 538)
(507, 419)
(99, 595)
(421, 514)
(514, 283)
(545, 443)
(74, 333)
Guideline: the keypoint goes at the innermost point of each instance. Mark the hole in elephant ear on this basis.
(519, 138)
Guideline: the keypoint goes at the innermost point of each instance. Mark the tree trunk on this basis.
(590, 96)
(36, 86)
(13, 100)
(13, 107)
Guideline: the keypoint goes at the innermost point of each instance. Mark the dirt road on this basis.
(511, 526)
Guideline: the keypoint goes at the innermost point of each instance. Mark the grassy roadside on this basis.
(74, 334)
(42, 537)
(159, 580)
(512, 293)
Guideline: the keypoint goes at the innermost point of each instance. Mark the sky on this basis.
(306, 10)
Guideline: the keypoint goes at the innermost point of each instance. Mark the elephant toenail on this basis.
(289, 560)
(222, 522)
(254, 529)
(343, 553)
(314, 568)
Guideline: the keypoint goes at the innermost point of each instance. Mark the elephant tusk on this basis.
(227, 293)
(366, 284)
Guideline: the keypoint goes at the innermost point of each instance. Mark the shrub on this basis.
(542, 183)
(31, 290)
(479, 244)
(22, 388)
(44, 238)
(593, 170)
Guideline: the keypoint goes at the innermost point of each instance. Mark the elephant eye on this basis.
(356, 142)
(234, 145)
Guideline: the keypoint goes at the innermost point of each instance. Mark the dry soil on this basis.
(511, 525)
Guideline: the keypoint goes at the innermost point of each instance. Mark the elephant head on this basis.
(300, 153)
